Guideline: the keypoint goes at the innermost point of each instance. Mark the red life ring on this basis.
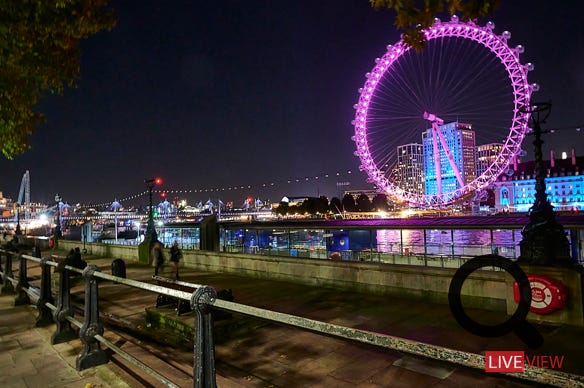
(547, 295)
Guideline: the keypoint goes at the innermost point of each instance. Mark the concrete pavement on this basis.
(27, 358)
(255, 353)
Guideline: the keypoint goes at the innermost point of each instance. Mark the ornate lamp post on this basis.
(544, 240)
(151, 235)
(115, 206)
(18, 230)
(58, 226)
(84, 236)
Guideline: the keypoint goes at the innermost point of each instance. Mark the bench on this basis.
(183, 306)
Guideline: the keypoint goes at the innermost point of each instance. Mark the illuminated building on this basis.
(564, 185)
(486, 155)
(460, 140)
(410, 168)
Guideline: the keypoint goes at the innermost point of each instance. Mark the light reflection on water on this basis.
(447, 242)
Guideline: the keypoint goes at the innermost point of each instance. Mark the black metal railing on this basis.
(91, 330)
(203, 300)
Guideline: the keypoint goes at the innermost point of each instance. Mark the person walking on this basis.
(157, 257)
(175, 255)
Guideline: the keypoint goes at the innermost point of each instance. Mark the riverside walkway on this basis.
(254, 353)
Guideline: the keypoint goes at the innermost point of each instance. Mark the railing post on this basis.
(64, 332)
(21, 294)
(204, 349)
(45, 316)
(452, 242)
(92, 354)
(8, 287)
(1, 270)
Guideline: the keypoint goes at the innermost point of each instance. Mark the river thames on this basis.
(450, 242)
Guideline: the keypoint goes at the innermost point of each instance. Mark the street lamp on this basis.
(115, 206)
(84, 236)
(544, 240)
(150, 234)
(18, 231)
(58, 226)
(137, 224)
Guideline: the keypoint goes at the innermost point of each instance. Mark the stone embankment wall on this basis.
(491, 290)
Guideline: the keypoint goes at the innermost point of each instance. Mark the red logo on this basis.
(504, 361)
(547, 295)
(545, 362)
(514, 361)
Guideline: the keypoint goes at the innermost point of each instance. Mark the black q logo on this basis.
(517, 323)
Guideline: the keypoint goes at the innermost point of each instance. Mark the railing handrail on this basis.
(417, 348)
(105, 341)
(78, 324)
(175, 281)
(128, 282)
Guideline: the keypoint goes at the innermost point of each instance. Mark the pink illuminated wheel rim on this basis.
(466, 73)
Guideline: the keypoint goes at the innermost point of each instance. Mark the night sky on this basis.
(211, 95)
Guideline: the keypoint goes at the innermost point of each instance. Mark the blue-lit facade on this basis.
(460, 139)
(564, 186)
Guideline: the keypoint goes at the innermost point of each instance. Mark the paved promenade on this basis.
(27, 358)
(260, 354)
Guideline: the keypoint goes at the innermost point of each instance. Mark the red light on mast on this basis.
(158, 181)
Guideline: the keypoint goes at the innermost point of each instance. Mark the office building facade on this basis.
(460, 140)
(410, 168)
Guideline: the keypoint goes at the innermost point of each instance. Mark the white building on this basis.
(564, 180)
(410, 168)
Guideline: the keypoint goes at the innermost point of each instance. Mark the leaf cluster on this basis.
(413, 16)
(39, 53)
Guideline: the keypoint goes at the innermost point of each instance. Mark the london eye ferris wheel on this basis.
(422, 116)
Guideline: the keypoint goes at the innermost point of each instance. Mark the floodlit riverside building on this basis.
(486, 155)
(410, 168)
(564, 179)
(460, 140)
